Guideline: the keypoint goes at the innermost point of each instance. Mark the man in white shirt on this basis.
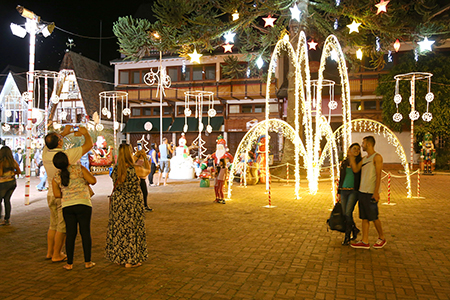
(54, 144)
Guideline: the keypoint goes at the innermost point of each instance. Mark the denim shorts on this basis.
(368, 208)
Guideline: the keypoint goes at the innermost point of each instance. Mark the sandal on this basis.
(68, 267)
(89, 265)
(133, 266)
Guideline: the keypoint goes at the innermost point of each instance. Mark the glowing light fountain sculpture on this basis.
(303, 101)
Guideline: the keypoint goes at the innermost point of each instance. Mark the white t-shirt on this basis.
(73, 154)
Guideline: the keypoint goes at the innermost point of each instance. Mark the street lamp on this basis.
(33, 26)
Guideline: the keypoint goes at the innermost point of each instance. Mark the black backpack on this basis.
(337, 218)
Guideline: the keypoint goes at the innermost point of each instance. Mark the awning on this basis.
(178, 124)
(136, 125)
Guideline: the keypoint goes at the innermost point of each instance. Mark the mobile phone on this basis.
(76, 128)
(139, 145)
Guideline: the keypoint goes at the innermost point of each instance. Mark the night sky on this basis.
(80, 17)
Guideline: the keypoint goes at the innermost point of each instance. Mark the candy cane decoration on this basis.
(418, 183)
(287, 173)
(270, 194)
(389, 188)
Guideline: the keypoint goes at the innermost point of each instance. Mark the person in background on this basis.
(53, 144)
(9, 168)
(142, 167)
(165, 151)
(18, 157)
(37, 160)
(221, 172)
(43, 177)
(126, 242)
(348, 192)
(71, 185)
(153, 153)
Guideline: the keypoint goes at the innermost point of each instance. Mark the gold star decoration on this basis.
(269, 21)
(195, 57)
(382, 6)
(312, 45)
(354, 26)
(227, 48)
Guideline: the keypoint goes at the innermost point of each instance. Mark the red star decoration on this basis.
(227, 48)
(312, 45)
(382, 6)
(269, 21)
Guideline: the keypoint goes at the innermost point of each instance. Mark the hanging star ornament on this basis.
(312, 45)
(227, 48)
(295, 12)
(269, 21)
(381, 6)
(195, 57)
(354, 26)
(229, 37)
(425, 45)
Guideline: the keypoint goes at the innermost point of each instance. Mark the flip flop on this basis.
(57, 261)
(91, 265)
(68, 267)
(133, 266)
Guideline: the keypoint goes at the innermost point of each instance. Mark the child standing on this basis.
(221, 174)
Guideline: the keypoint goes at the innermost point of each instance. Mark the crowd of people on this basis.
(69, 195)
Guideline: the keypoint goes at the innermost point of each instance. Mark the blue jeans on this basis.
(348, 202)
(41, 184)
(6, 190)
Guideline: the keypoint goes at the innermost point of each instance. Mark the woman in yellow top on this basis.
(9, 168)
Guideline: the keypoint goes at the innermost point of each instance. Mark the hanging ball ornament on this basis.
(427, 117)
(8, 113)
(126, 112)
(397, 98)
(6, 127)
(55, 99)
(99, 127)
(414, 115)
(212, 112)
(108, 114)
(332, 104)
(185, 128)
(63, 115)
(209, 129)
(148, 126)
(187, 112)
(397, 117)
(429, 97)
(104, 111)
(116, 125)
(200, 127)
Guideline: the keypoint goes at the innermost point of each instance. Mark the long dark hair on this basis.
(61, 162)
(358, 158)
(6, 158)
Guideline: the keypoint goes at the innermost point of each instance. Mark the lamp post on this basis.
(33, 26)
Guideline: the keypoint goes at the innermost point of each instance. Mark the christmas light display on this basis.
(425, 45)
(295, 12)
(381, 6)
(359, 54)
(354, 27)
(227, 48)
(229, 37)
(397, 45)
(195, 57)
(312, 45)
(269, 21)
(110, 101)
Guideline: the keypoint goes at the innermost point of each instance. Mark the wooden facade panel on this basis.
(133, 95)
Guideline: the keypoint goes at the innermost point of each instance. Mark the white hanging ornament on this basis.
(411, 100)
(99, 127)
(397, 98)
(104, 111)
(6, 127)
(108, 115)
(8, 113)
(200, 127)
(187, 112)
(185, 128)
(332, 105)
(55, 99)
(414, 115)
(116, 125)
(209, 129)
(21, 128)
(63, 115)
(397, 117)
(126, 112)
(429, 97)
(212, 112)
(148, 126)
(427, 117)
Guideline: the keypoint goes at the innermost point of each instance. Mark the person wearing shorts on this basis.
(369, 192)
(164, 165)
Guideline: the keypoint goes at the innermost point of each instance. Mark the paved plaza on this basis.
(241, 250)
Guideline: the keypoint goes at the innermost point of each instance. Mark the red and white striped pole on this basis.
(287, 173)
(270, 194)
(418, 183)
(389, 188)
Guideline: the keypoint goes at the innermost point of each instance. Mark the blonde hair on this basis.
(124, 161)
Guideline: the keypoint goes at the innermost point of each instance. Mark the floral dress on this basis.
(126, 241)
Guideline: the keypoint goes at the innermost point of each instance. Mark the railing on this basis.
(363, 85)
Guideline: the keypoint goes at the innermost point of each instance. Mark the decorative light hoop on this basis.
(413, 75)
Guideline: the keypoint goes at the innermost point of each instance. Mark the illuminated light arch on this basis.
(263, 127)
(366, 125)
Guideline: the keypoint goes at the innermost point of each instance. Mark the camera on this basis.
(139, 146)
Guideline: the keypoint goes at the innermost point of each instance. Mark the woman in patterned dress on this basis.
(126, 242)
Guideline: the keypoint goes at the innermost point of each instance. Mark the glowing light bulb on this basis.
(195, 57)
(354, 27)
(269, 21)
(397, 45)
(312, 45)
(295, 12)
(425, 45)
(235, 15)
(229, 37)
(259, 62)
(359, 54)
(382, 6)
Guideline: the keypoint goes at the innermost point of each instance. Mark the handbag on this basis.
(337, 218)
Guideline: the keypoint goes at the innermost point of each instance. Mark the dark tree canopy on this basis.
(184, 25)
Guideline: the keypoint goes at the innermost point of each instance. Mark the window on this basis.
(218, 108)
(356, 105)
(273, 107)
(136, 111)
(210, 72)
(173, 74)
(123, 77)
(135, 77)
(156, 111)
(147, 111)
(234, 109)
(167, 110)
(370, 105)
(246, 109)
(186, 76)
(260, 108)
(197, 73)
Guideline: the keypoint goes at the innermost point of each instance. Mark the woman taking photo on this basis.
(348, 191)
(154, 163)
(71, 184)
(9, 168)
(126, 242)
